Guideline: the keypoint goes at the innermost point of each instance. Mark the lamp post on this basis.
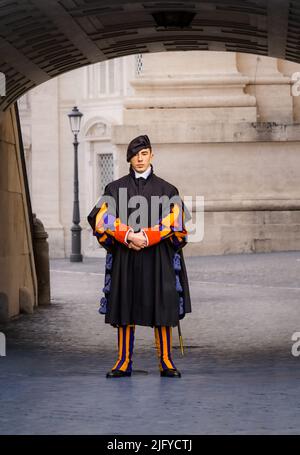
(76, 256)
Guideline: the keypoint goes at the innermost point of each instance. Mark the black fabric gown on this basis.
(148, 287)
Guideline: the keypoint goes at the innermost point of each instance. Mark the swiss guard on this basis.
(140, 221)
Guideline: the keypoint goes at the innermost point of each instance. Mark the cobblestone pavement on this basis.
(238, 373)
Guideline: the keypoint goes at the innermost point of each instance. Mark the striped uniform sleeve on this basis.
(171, 226)
(109, 228)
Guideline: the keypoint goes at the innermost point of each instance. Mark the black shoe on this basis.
(117, 374)
(171, 373)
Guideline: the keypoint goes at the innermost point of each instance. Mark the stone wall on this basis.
(18, 281)
(224, 127)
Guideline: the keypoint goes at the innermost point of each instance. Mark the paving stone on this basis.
(238, 373)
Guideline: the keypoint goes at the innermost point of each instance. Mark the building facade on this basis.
(224, 127)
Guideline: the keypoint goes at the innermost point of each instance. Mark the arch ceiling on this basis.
(40, 39)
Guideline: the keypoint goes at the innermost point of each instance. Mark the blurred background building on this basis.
(223, 125)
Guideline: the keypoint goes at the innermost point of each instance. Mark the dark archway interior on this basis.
(41, 39)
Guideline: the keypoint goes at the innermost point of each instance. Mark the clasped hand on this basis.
(137, 240)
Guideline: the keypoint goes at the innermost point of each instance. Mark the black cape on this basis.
(147, 287)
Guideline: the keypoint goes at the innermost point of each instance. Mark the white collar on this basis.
(143, 174)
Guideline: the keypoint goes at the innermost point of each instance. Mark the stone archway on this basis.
(42, 39)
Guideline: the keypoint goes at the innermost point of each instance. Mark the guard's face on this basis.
(141, 160)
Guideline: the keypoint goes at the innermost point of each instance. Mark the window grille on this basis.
(138, 64)
(105, 171)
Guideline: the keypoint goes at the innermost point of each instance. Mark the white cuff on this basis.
(129, 230)
(146, 236)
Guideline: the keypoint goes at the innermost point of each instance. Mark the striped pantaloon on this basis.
(163, 343)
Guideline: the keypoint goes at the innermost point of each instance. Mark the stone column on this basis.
(45, 163)
(18, 281)
(269, 86)
(41, 257)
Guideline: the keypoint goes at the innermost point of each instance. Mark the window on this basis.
(138, 64)
(105, 171)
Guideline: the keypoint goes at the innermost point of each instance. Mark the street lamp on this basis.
(76, 256)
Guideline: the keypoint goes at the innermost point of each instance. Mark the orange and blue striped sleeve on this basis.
(109, 228)
(171, 226)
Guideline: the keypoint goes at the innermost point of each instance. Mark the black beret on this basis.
(137, 144)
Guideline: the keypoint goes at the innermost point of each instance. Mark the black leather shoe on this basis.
(117, 374)
(171, 373)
